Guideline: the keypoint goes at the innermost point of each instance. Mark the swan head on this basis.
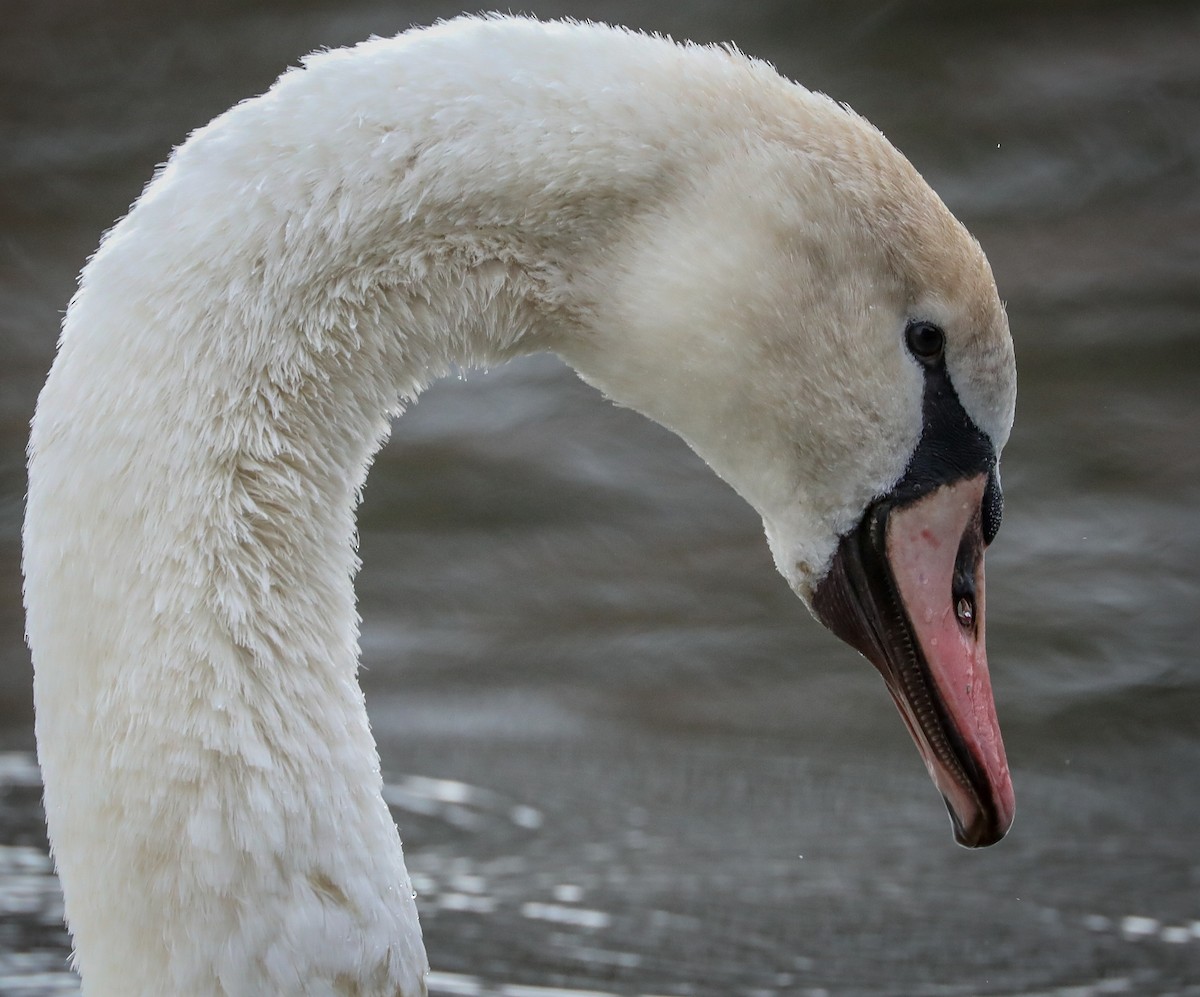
(808, 315)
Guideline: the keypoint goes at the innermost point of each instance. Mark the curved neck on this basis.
(228, 368)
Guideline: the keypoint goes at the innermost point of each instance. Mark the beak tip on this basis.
(985, 827)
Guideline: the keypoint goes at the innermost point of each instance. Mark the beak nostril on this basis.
(964, 609)
(966, 568)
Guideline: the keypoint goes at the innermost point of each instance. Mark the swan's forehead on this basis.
(949, 282)
(891, 233)
(920, 250)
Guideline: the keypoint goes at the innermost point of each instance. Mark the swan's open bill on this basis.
(906, 590)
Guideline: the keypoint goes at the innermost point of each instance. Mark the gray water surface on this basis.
(623, 759)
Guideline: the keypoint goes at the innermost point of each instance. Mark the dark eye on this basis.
(925, 341)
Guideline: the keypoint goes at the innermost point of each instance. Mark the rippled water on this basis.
(623, 759)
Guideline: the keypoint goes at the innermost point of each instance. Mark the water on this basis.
(623, 759)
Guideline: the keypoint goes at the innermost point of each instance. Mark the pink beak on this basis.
(907, 590)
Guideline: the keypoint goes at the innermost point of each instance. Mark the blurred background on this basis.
(623, 759)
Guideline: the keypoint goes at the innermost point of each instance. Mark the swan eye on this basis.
(925, 341)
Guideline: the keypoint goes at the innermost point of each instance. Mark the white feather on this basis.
(705, 241)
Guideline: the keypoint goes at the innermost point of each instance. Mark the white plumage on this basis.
(703, 240)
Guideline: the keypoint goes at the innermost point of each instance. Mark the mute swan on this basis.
(746, 262)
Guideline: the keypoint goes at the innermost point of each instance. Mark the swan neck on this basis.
(300, 269)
